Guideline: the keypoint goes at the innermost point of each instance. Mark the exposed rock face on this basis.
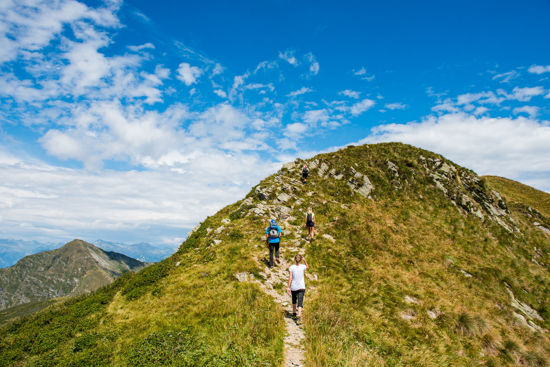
(361, 184)
(76, 268)
(468, 191)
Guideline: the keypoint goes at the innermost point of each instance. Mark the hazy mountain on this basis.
(77, 267)
(417, 262)
(142, 251)
(12, 250)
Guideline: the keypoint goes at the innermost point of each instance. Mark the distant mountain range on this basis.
(77, 267)
(11, 250)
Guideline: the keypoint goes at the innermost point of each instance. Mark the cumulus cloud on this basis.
(299, 92)
(188, 74)
(313, 64)
(532, 111)
(144, 46)
(539, 69)
(32, 25)
(516, 148)
(525, 94)
(220, 93)
(362, 106)
(350, 93)
(289, 57)
(395, 106)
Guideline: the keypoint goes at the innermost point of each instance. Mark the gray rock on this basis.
(465, 273)
(408, 315)
(411, 300)
(313, 164)
(523, 307)
(219, 230)
(393, 168)
(434, 313)
(289, 165)
(243, 276)
(323, 169)
(283, 197)
(226, 221)
(328, 237)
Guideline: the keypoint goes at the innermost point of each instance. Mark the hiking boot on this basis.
(299, 321)
(293, 317)
(278, 261)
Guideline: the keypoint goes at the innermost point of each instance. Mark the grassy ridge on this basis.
(408, 252)
(516, 192)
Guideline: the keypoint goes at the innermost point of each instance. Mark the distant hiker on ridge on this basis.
(297, 286)
(305, 173)
(272, 240)
(310, 224)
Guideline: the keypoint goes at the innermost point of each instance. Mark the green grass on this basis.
(516, 192)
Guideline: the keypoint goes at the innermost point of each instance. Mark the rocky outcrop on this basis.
(468, 192)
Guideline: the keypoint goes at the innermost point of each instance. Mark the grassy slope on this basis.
(413, 241)
(189, 310)
(516, 192)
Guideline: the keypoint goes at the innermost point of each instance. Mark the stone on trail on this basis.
(328, 237)
(243, 276)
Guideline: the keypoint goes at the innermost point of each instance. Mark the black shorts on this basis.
(310, 224)
(304, 175)
(298, 297)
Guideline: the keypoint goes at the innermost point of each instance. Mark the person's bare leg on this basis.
(299, 313)
(294, 308)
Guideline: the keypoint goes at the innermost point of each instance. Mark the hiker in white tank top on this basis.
(297, 286)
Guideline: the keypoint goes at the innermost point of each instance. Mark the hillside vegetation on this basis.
(418, 262)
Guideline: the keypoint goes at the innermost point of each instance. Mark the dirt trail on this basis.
(275, 285)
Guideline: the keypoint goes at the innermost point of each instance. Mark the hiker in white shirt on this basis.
(297, 286)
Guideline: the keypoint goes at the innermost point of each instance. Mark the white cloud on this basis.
(220, 93)
(289, 57)
(144, 46)
(299, 92)
(188, 74)
(218, 69)
(362, 72)
(506, 77)
(532, 111)
(314, 68)
(539, 69)
(395, 106)
(525, 94)
(295, 130)
(362, 106)
(515, 148)
(32, 25)
(350, 93)
(313, 64)
(41, 201)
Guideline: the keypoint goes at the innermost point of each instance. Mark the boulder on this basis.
(393, 169)
(283, 197)
(289, 165)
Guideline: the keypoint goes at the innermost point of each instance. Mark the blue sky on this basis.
(133, 120)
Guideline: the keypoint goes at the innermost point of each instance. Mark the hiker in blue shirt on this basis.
(272, 240)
